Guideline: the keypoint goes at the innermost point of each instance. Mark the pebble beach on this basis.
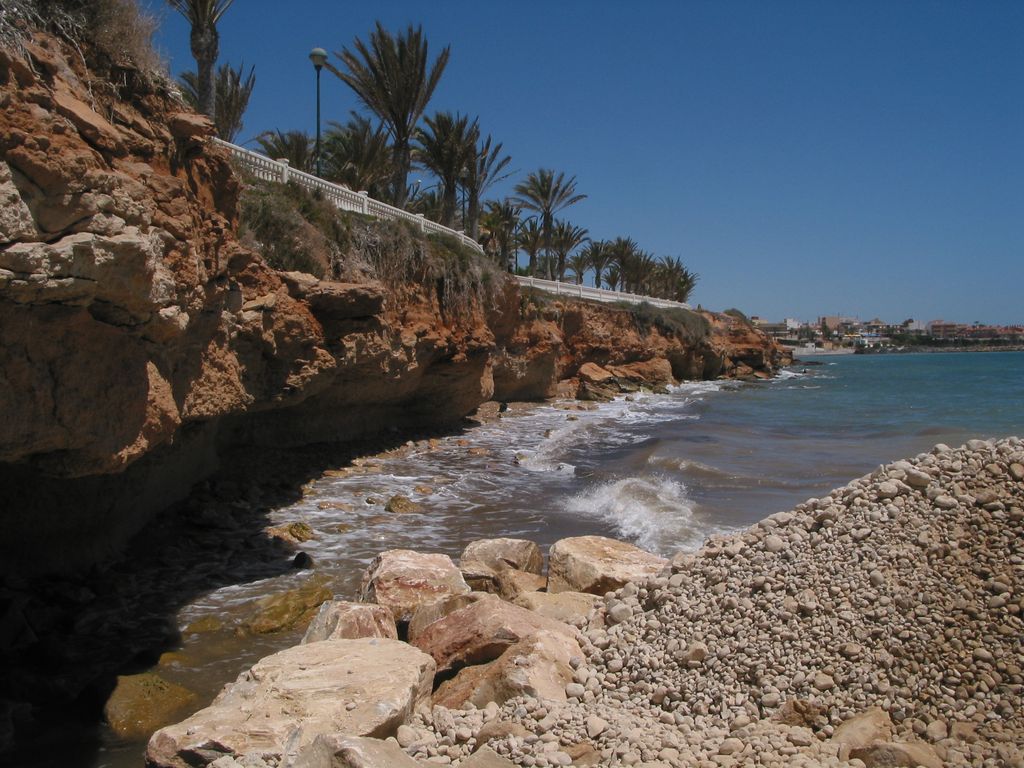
(878, 625)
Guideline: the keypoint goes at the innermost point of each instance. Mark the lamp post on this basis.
(319, 57)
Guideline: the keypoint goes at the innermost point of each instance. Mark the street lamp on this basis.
(319, 57)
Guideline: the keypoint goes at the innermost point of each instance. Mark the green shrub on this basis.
(735, 313)
(673, 321)
(290, 228)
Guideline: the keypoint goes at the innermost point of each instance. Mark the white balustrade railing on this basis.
(572, 290)
(262, 167)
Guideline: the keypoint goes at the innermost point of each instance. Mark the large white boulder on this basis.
(596, 564)
(364, 687)
(402, 580)
(521, 554)
(341, 620)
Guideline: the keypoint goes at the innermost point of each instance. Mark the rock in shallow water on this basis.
(403, 580)
(342, 620)
(142, 703)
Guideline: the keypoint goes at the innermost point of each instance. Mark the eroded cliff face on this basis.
(137, 335)
(139, 338)
(544, 345)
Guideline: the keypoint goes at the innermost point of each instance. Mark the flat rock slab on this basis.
(597, 564)
(521, 554)
(861, 730)
(365, 687)
(482, 631)
(567, 607)
(402, 580)
(338, 751)
(897, 755)
(341, 620)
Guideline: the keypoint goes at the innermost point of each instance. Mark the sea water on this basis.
(663, 471)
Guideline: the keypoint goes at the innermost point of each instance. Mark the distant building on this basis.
(838, 322)
(775, 330)
(940, 329)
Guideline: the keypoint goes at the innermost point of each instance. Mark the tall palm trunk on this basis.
(205, 43)
(449, 201)
(474, 216)
(400, 177)
(547, 224)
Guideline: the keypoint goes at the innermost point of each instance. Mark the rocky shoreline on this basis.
(879, 625)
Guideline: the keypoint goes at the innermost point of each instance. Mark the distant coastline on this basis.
(933, 350)
(799, 353)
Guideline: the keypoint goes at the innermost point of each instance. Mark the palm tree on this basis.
(677, 281)
(357, 155)
(481, 172)
(500, 221)
(530, 238)
(642, 272)
(294, 146)
(427, 202)
(204, 40)
(578, 264)
(232, 97)
(623, 251)
(565, 239)
(611, 278)
(391, 77)
(447, 145)
(547, 194)
(598, 255)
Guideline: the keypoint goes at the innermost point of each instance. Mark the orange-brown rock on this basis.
(481, 632)
(341, 620)
(402, 580)
(537, 667)
(427, 614)
(542, 352)
(511, 583)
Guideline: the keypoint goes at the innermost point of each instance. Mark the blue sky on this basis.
(805, 158)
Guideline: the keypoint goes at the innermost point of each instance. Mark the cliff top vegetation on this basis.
(294, 229)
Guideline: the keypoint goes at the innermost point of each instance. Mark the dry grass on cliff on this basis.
(107, 34)
(296, 230)
(680, 322)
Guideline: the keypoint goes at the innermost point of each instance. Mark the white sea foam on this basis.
(654, 512)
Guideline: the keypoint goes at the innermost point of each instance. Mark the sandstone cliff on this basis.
(139, 336)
